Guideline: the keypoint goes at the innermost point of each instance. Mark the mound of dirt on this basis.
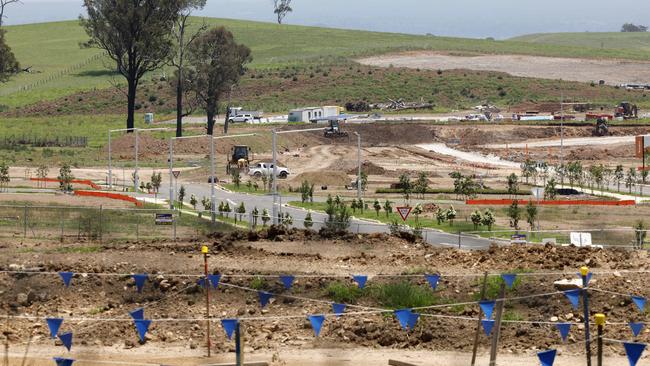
(324, 179)
(369, 168)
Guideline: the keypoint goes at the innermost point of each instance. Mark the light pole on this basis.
(275, 168)
(212, 167)
(137, 143)
(359, 188)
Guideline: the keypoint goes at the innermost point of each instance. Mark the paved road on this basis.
(200, 190)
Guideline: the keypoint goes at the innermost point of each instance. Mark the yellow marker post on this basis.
(204, 251)
(584, 272)
(600, 322)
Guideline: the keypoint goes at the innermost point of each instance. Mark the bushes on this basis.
(403, 295)
(343, 293)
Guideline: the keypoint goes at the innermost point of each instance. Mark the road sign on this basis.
(164, 219)
(176, 173)
(404, 212)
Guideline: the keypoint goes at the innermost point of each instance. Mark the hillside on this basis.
(602, 41)
(60, 67)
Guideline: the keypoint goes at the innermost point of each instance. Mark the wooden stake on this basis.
(239, 345)
(497, 325)
(480, 316)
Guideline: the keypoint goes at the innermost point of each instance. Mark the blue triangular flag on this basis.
(636, 328)
(403, 316)
(487, 306)
(547, 358)
(66, 277)
(564, 329)
(433, 280)
(487, 326)
(573, 296)
(316, 323)
(639, 301)
(287, 281)
(142, 325)
(264, 297)
(214, 280)
(509, 279)
(589, 275)
(360, 280)
(634, 351)
(338, 309)
(139, 280)
(137, 314)
(413, 319)
(63, 361)
(54, 324)
(229, 326)
(66, 339)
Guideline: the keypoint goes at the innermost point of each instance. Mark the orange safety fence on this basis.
(114, 196)
(553, 203)
(74, 181)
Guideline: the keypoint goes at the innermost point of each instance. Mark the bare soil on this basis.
(294, 252)
(583, 70)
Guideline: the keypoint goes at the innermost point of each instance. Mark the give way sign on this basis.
(404, 212)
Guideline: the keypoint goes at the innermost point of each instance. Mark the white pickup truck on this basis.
(260, 169)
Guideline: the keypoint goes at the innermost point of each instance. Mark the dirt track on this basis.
(613, 72)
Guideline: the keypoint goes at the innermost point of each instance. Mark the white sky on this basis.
(470, 18)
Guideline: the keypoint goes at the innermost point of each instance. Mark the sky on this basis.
(464, 18)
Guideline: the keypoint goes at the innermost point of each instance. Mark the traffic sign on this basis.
(176, 173)
(404, 212)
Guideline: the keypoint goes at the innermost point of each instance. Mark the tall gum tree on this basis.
(136, 34)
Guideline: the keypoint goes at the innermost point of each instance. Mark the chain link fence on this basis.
(98, 223)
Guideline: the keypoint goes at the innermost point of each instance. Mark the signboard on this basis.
(518, 239)
(404, 212)
(176, 173)
(642, 145)
(581, 239)
(164, 219)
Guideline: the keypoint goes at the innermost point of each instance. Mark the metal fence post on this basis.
(459, 244)
(174, 223)
(137, 228)
(101, 231)
(25, 222)
(61, 226)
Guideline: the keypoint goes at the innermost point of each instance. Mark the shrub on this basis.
(343, 293)
(403, 295)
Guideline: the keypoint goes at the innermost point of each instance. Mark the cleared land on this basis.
(599, 40)
(574, 69)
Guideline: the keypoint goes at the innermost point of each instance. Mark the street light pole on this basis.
(275, 170)
(212, 179)
(359, 187)
(135, 176)
(274, 182)
(110, 163)
(171, 173)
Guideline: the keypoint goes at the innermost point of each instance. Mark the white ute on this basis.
(260, 169)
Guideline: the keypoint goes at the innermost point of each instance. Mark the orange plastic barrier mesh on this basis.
(75, 181)
(552, 203)
(114, 196)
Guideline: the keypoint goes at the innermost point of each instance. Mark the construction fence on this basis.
(97, 224)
